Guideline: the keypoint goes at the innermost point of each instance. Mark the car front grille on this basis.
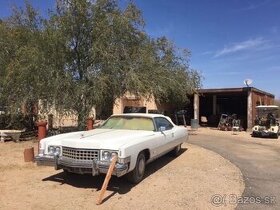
(80, 154)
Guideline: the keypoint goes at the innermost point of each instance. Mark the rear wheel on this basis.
(176, 151)
(138, 172)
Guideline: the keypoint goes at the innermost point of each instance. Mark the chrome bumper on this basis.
(94, 167)
(44, 160)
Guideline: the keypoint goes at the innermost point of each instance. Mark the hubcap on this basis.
(178, 148)
(141, 167)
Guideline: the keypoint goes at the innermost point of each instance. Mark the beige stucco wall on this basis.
(132, 100)
(60, 119)
(68, 120)
(71, 119)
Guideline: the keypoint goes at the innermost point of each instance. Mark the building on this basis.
(144, 104)
(211, 103)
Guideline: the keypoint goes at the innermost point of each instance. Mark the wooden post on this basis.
(28, 154)
(196, 106)
(106, 181)
(42, 131)
(249, 111)
(90, 123)
(214, 105)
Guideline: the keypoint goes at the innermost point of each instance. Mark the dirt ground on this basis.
(186, 182)
(240, 136)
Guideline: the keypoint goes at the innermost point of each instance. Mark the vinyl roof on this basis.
(140, 115)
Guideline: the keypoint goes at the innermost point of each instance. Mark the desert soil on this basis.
(186, 182)
(239, 136)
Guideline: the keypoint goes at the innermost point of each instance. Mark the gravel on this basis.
(186, 182)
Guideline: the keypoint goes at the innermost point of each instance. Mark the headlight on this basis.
(41, 149)
(54, 150)
(57, 151)
(108, 155)
(51, 150)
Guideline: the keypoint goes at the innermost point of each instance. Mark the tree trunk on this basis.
(106, 109)
(81, 121)
(82, 116)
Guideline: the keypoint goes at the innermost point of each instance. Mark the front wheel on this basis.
(138, 172)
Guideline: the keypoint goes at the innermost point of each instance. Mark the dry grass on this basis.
(187, 182)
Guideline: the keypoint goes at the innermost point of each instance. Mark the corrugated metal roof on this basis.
(234, 90)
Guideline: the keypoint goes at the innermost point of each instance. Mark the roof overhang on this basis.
(234, 90)
(269, 107)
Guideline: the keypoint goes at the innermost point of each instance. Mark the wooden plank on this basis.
(106, 181)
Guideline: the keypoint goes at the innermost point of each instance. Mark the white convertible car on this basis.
(136, 139)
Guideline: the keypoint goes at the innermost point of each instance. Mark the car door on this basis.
(166, 133)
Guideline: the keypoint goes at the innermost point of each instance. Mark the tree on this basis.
(88, 53)
(174, 81)
(98, 40)
(23, 63)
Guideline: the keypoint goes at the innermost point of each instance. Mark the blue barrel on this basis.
(194, 123)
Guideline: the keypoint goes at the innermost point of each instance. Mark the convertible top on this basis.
(140, 115)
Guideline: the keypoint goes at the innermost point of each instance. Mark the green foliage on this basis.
(23, 66)
(87, 54)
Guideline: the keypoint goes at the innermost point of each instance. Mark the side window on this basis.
(162, 122)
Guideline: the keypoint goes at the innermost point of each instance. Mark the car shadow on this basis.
(116, 185)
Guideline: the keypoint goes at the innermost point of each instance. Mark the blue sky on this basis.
(229, 40)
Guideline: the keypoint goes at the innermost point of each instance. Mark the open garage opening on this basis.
(212, 106)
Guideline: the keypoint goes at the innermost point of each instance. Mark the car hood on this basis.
(111, 139)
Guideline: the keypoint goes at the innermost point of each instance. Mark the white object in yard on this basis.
(203, 120)
(14, 134)
(266, 122)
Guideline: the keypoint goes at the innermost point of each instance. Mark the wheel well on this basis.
(146, 153)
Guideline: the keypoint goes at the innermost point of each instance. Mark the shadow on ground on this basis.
(116, 185)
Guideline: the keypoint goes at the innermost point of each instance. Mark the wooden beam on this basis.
(196, 106)
(106, 181)
(249, 111)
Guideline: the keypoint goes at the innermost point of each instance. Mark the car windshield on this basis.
(129, 123)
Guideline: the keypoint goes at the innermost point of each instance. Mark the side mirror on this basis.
(162, 128)
(97, 126)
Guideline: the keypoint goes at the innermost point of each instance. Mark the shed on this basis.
(211, 103)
